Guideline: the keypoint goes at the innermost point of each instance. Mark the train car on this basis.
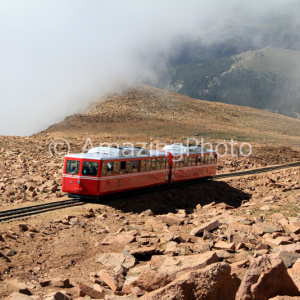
(188, 163)
(106, 170)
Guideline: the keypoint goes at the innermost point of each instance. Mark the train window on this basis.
(116, 167)
(104, 167)
(110, 168)
(129, 167)
(193, 160)
(123, 167)
(186, 161)
(72, 166)
(90, 168)
(135, 166)
(167, 163)
(163, 163)
(181, 162)
(143, 165)
(216, 159)
(203, 159)
(148, 165)
(153, 164)
(158, 166)
(199, 160)
(190, 161)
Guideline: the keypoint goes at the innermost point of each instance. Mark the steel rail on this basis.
(257, 171)
(37, 209)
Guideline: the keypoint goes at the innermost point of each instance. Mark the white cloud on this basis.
(56, 55)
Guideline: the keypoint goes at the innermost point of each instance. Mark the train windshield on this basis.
(72, 167)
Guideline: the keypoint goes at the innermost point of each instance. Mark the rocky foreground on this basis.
(212, 251)
(233, 239)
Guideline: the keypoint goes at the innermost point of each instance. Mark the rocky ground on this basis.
(233, 239)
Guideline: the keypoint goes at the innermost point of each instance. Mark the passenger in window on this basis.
(86, 170)
(94, 170)
(129, 166)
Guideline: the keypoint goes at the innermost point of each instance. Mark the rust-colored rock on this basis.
(211, 283)
(150, 280)
(114, 281)
(205, 226)
(84, 290)
(267, 277)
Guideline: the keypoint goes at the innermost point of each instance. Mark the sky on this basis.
(56, 56)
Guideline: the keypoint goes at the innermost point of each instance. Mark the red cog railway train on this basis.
(107, 170)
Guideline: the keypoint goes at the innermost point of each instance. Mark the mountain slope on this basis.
(145, 111)
(266, 79)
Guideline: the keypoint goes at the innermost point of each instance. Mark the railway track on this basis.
(7, 215)
(257, 171)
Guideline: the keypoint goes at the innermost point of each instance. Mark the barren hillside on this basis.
(146, 111)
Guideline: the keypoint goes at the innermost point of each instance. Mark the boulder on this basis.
(85, 290)
(56, 296)
(178, 265)
(113, 280)
(266, 277)
(117, 259)
(288, 257)
(294, 272)
(205, 226)
(171, 219)
(18, 296)
(211, 283)
(262, 228)
(225, 246)
(150, 280)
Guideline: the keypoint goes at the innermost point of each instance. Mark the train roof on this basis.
(106, 153)
(179, 149)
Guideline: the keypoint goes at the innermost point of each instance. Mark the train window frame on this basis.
(89, 169)
(77, 168)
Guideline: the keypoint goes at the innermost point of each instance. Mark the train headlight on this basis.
(78, 181)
